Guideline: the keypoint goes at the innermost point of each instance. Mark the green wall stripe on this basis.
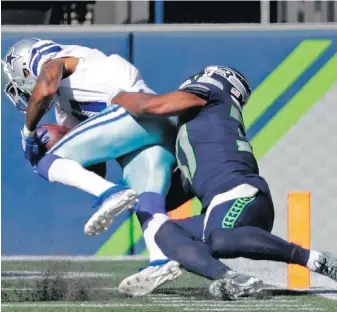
(119, 242)
(295, 108)
(283, 77)
(137, 229)
(196, 207)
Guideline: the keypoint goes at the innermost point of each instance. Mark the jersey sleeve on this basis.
(139, 85)
(42, 52)
(202, 86)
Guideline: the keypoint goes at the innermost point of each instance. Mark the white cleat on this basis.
(150, 278)
(110, 204)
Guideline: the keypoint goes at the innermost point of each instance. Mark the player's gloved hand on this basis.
(33, 144)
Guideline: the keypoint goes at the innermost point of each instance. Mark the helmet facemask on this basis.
(16, 89)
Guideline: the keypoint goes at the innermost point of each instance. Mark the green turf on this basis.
(58, 292)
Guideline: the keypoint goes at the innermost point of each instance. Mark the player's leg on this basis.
(111, 199)
(195, 257)
(108, 135)
(148, 172)
(241, 228)
(179, 244)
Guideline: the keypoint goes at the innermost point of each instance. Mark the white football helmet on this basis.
(19, 82)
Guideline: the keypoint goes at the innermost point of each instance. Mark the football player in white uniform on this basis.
(81, 82)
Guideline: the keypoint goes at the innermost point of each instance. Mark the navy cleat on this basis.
(233, 285)
(150, 278)
(109, 204)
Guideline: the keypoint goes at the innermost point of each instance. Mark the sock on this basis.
(255, 243)
(71, 173)
(313, 260)
(151, 214)
(193, 256)
(155, 253)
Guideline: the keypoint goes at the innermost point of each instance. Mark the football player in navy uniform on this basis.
(217, 160)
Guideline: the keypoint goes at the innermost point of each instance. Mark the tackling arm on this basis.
(170, 104)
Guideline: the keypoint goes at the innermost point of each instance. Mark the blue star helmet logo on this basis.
(10, 58)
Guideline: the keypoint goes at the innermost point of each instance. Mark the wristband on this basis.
(27, 133)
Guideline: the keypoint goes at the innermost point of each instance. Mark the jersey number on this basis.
(188, 169)
(243, 145)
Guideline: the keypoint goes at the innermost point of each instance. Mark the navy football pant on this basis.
(237, 228)
(254, 211)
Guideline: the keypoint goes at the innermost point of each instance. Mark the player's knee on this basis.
(44, 165)
(160, 179)
(227, 243)
(217, 240)
(159, 171)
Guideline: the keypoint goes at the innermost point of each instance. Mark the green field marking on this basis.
(290, 114)
(283, 77)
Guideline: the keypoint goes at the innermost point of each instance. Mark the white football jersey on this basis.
(90, 89)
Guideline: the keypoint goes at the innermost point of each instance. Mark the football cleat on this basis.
(327, 265)
(150, 278)
(233, 285)
(110, 204)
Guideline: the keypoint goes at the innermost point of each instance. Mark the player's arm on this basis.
(39, 102)
(45, 88)
(170, 104)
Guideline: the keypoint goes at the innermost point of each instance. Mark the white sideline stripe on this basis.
(34, 289)
(177, 297)
(226, 304)
(42, 275)
(136, 305)
(73, 258)
(257, 308)
(330, 296)
(271, 301)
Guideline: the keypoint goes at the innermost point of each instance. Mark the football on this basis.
(55, 133)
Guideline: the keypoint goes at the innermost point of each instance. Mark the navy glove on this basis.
(33, 144)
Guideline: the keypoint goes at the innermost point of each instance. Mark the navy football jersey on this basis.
(211, 148)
